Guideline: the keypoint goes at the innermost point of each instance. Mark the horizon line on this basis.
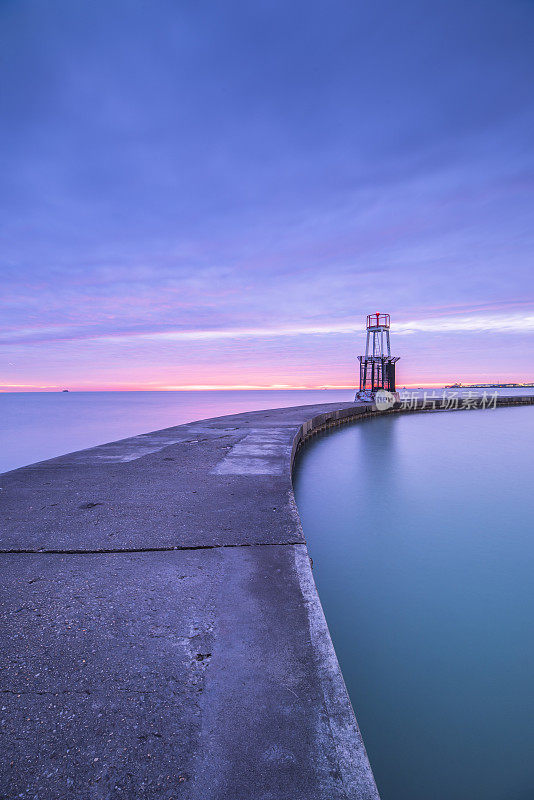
(29, 388)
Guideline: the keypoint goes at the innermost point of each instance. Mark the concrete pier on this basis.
(162, 636)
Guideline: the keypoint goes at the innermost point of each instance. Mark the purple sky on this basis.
(217, 193)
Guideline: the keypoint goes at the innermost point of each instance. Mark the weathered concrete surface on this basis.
(187, 673)
(218, 482)
(200, 672)
(161, 631)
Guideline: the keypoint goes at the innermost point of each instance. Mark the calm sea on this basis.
(39, 425)
(421, 528)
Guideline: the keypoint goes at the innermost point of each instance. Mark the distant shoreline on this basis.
(490, 386)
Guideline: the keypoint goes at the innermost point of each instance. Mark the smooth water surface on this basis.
(421, 528)
(39, 425)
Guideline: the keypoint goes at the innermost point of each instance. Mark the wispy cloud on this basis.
(506, 323)
(509, 323)
(196, 190)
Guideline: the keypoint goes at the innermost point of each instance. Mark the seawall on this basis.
(162, 634)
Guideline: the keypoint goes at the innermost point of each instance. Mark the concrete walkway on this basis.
(161, 632)
(162, 636)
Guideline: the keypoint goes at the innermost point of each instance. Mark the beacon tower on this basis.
(377, 366)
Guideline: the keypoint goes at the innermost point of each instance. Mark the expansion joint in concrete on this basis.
(126, 550)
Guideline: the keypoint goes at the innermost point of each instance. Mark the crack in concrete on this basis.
(119, 550)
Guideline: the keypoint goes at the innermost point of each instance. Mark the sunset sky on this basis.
(201, 194)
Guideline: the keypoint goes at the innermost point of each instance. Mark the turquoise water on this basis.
(422, 535)
(39, 425)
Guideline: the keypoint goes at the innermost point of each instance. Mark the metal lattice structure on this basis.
(377, 366)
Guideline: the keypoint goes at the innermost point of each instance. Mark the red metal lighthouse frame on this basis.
(377, 366)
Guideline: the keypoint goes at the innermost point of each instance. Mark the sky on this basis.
(216, 194)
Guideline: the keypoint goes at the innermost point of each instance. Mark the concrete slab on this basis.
(219, 482)
(161, 632)
(164, 675)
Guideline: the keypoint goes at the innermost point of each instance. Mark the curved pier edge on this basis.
(162, 632)
(321, 423)
(351, 757)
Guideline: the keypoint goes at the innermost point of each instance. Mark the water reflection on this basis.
(39, 425)
(420, 528)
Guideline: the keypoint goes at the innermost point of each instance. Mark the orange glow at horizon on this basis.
(161, 387)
